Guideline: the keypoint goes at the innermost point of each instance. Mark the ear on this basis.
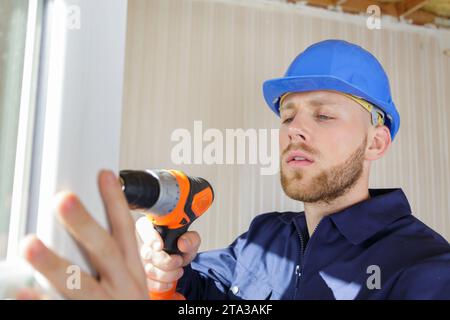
(379, 142)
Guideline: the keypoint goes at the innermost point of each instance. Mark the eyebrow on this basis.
(313, 102)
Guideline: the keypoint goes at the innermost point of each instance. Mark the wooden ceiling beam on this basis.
(389, 8)
(322, 3)
(356, 6)
(421, 17)
(408, 7)
(360, 6)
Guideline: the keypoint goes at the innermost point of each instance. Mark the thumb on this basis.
(188, 245)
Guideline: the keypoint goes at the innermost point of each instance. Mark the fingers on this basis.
(54, 268)
(162, 269)
(161, 259)
(101, 248)
(147, 233)
(28, 294)
(115, 257)
(122, 224)
(31, 294)
(189, 243)
(157, 286)
(160, 275)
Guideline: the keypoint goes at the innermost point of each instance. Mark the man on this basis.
(337, 116)
(351, 242)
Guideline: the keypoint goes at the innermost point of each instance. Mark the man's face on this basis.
(330, 131)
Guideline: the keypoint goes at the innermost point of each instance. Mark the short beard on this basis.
(327, 185)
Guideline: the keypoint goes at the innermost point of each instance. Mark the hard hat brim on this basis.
(273, 89)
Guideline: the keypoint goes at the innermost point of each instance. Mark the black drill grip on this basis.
(170, 237)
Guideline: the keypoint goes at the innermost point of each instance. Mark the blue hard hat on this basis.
(339, 66)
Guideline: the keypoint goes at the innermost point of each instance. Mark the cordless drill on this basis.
(171, 200)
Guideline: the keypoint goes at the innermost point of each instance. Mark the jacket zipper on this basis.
(299, 268)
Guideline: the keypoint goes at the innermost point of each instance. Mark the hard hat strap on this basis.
(376, 113)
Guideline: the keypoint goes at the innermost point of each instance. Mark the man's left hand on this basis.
(115, 256)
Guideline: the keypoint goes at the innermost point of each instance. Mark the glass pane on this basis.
(13, 19)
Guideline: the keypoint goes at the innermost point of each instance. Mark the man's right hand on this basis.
(161, 268)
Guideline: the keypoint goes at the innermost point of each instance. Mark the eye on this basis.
(323, 117)
(287, 120)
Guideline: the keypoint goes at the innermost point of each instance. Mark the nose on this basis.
(297, 130)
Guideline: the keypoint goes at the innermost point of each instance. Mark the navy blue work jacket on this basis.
(375, 249)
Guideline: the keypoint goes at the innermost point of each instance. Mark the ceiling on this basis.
(433, 13)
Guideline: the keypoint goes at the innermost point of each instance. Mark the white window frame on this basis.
(21, 183)
(70, 118)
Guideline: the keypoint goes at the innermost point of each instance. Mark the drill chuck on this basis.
(156, 191)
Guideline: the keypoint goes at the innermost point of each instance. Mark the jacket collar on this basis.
(366, 218)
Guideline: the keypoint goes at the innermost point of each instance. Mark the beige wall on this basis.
(206, 60)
